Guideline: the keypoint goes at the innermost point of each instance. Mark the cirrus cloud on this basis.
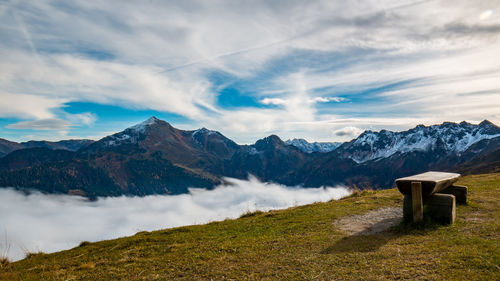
(378, 58)
(42, 124)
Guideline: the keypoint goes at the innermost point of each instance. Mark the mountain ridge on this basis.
(7, 146)
(310, 147)
(155, 157)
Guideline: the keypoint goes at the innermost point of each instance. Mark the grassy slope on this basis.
(298, 243)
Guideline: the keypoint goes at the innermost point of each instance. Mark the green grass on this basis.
(300, 243)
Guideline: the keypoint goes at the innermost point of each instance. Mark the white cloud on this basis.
(279, 101)
(327, 99)
(42, 124)
(275, 101)
(349, 131)
(51, 223)
(486, 15)
(28, 105)
(160, 56)
(69, 78)
(87, 118)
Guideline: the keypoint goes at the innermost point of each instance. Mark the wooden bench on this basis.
(435, 191)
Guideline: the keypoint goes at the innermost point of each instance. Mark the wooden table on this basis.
(426, 185)
(432, 182)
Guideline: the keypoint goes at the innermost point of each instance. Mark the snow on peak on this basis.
(452, 137)
(203, 131)
(143, 125)
(131, 134)
(200, 135)
(308, 147)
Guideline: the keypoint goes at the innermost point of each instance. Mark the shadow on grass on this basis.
(358, 243)
(371, 240)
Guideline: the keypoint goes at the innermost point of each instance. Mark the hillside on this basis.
(7, 146)
(301, 243)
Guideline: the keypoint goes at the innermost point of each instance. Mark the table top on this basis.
(432, 182)
(431, 176)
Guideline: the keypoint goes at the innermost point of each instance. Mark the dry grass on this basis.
(30, 255)
(4, 252)
(300, 243)
(84, 243)
(4, 262)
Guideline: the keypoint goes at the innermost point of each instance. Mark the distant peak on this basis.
(486, 123)
(448, 124)
(273, 138)
(309, 147)
(204, 131)
(270, 141)
(367, 133)
(151, 120)
(143, 125)
(296, 140)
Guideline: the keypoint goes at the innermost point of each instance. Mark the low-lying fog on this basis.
(49, 223)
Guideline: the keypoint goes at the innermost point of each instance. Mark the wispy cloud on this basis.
(42, 124)
(85, 119)
(275, 101)
(313, 61)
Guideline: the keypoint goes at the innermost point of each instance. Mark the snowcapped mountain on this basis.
(153, 157)
(196, 148)
(130, 135)
(214, 142)
(141, 127)
(203, 131)
(308, 147)
(448, 138)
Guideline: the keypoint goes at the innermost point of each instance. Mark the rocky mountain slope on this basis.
(154, 157)
(449, 138)
(308, 147)
(7, 146)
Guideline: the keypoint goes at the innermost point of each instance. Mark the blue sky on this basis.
(319, 70)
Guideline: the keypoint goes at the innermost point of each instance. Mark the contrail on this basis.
(5, 7)
(244, 50)
(301, 35)
(27, 36)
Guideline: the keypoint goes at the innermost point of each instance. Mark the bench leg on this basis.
(439, 208)
(407, 209)
(459, 191)
(417, 204)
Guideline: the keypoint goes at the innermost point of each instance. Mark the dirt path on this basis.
(372, 222)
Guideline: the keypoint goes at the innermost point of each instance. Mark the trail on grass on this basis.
(373, 222)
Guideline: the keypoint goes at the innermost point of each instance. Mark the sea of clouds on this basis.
(49, 223)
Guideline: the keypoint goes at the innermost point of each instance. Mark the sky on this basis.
(318, 70)
(49, 223)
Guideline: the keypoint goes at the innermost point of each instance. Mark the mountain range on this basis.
(153, 157)
(308, 147)
(7, 146)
